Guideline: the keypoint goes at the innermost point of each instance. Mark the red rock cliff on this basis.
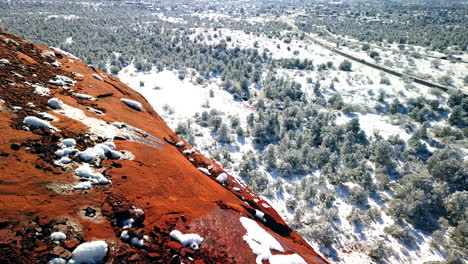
(76, 158)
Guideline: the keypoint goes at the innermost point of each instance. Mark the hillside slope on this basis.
(85, 158)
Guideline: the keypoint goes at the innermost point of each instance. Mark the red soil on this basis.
(36, 198)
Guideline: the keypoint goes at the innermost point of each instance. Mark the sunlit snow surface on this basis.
(186, 98)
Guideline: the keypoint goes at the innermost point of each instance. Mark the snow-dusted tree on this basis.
(379, 250)
(455, 99)
(358, 195)
(224, 134)
(446, 80)
(270, 157)
(345, 65)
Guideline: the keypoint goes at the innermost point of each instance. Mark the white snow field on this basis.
(184, 97)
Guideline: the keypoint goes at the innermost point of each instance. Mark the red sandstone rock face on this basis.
(156, 181)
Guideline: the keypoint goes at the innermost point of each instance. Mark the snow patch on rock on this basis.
(97, 77)
(287, 259)
(192, 241)
(204, 170)
(124, 235)
(137, 242)
(66, 53)
(133, 104)
(62, 81)
(47, 116)
(86, 172)
(96, 126)
(57, 261)
(86, 185)
(37, 122)
(48, 53)
(62, 161)
(128, 223)
(260, 215)
(65, 152)
(89, 252)
(57, 82)
(83, 96)
(260, 241)
(68, 142)
(118, 125)
(222, 178)
(58, 236)
(55, 103)
(189, 151)
(56, 64)
(41, 90)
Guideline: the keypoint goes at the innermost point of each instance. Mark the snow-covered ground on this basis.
(213, 16)
(179, 100)
(371, 123)
(66, 17)
(240, 39)
(418, 61)
(183, 97)
(175, 20)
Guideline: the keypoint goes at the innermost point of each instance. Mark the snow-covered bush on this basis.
(379, 251)
(402, 234)
(184, 130)
(446, 80)
(358, 195)
(224, 135)
(322, 232)
(345, 65)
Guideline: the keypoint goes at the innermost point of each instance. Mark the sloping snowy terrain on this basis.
(179, 101)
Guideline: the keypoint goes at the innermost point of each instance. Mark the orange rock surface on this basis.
(154, 182)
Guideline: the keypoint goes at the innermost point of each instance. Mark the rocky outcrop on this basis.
(85, 158)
